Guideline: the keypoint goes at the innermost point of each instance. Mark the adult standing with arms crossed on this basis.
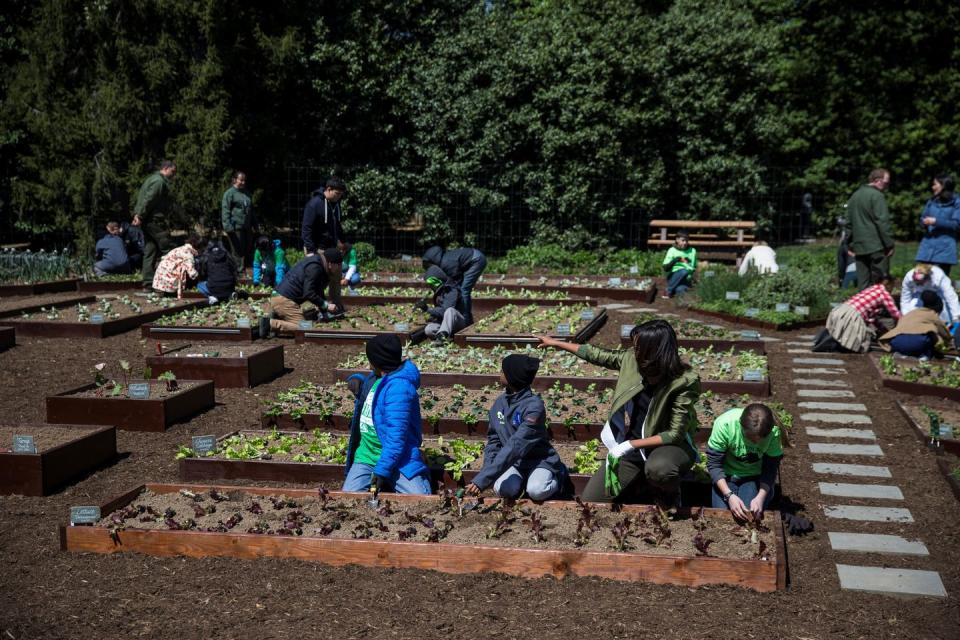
(941, 225)
(871, 233)
(321, 228)
(236, 216)
(154, 202)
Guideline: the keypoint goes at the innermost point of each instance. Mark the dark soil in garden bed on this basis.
(50, 594)
(46, 437)
(158, 390)
(12, 303)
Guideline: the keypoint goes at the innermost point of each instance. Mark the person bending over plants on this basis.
(385, 432)
(448, 315)
(921, 332)
(178, 267)
(853, 325)
(307, 280)
(518, 455)
(464, 266)
(743, 455)
(679, 265)
(650, 428)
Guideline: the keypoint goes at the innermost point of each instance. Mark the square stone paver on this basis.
(868, 514)
(837, 418)
(890, 580)
(866, 491)
(819, 382)
(856, 434)
(860, 470)
(827, 361)
(824, 393)
(834, 449)
(833, 406)
(876, 543)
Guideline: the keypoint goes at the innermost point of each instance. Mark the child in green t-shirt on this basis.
(349, 271)
(679, 265)
(743, 456)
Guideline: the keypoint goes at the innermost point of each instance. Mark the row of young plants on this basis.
(693, 329)
(946, 374)
(107, 307)
(516, 319)
(226, 313)
(480, 292)
(109, 386)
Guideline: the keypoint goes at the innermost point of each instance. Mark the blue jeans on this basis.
(358, 479)
(744, 488)
(540, 484)
(202, 288)
(915, 344)
(470, 277)
(354, 279)
(678, 282)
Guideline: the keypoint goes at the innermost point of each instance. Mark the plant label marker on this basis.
(751, 312)
(614, 282)
(802, 311)
(96, 318)
(204, 444)
(783, 307)
(306, 324)
(406, 258)
(139, 390)
(587, 314)
(946, 431)
(243, 323)
(753, 375)
(750, 335)
(563, 329)
(401, 327)
(733, 295)
(84, 515)
(625, 330)
(24, 444)
(632, 282)
(709, 274)
(634, 270)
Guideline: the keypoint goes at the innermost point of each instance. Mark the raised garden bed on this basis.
(938, 421)
(613, 288)
(35, 288)
(362, 323)
(524, 540)
(94, 316)
(785, 325)
(233, 321)
(226, 365)
(938, 379)
(693, 334)
(33, 308)
(155, 413)
(8, 338)
(64, 453)
(518, 324)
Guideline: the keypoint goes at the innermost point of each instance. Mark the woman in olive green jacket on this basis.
(652, 421)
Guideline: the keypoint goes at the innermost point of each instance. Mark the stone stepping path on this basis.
(837, 418)
(833, 406)
(794, 343)
(617, 305)
(856, 434)
(876, 543)
(831, 361)
(817, 382)
(860, 470)
(807, 336)
(868, 514)
(807, 350)
(821, 396)
(866, 491)
(824, 393)
(832, 449)
(891, 580)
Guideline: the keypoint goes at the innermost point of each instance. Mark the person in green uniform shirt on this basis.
(743, 456)
(385, 433)
(679, 265)
(154, 202)
(870, 238)
(236, 216)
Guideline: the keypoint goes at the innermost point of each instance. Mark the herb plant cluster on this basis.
(27, 267)
(798, 288)
(945, 374)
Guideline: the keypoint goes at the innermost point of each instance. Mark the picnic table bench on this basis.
(736, 236)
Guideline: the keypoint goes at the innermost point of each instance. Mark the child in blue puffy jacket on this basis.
(269, 262)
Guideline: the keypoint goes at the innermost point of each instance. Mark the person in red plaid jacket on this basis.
(854, 323)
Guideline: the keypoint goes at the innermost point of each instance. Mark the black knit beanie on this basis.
(931, 300)
(385, 352)
(520, 370)
(333, 256)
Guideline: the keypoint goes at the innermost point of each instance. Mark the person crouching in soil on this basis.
(518, 456)
(854, 324)
(385, 433)
(177, 269)
(743, 455)
(652, 420)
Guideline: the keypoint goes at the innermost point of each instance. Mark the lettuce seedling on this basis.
(233, 521)
(255, 508)
(702, 544)
(439, 533)
(261, 527)
(660, 524)
(406, 534)
(199, 511)
(283, 503)
(217, 496)
(621, 532)
(535, 522)
(169, 380)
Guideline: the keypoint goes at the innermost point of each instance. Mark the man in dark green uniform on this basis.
(154, 202)
(871, 233)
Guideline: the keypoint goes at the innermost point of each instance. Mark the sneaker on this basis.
(441, 337)
(212, 300)
(665, 296)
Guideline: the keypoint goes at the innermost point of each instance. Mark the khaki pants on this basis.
(286, 313)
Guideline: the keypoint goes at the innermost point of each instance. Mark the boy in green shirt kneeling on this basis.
(743, 456)
(679, 265)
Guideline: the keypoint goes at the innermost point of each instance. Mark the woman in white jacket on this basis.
(928, 277)
(761, 258)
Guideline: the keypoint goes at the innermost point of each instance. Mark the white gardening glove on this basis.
(606, 437)
(621, 449)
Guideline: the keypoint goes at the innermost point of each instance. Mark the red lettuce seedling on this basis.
(169, 513)
(233, 521)
(535, 522)
(385, 508)
(261, 527)
(362, 531)
(217, 496)
(199, 511)
(660, 524)
(283, 503)
(406, 534)
(621, 532)
(196, 497)
(502, 524)
(323, 495)
(255, 508)
(172, 524)
(702, 544)
(585, 523)
(439, 533)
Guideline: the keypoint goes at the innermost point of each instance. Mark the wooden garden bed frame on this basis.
(58, 329)
(914, 388)
(40, 474)
(480, 380)
(247, 371)
(950, 445)
(760, 324)
(51, 286)
(691, 571)
(467, 338)
(320, 335)
(200, 334)
(150, 414)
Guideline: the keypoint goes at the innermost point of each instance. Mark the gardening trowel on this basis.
(374, 501)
